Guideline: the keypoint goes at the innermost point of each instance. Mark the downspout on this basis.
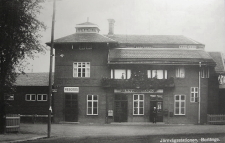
(199, 94)
(106, 96)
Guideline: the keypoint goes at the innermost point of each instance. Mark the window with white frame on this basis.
(8, 96)
(42, 97)
(179, 105)
(30, 97)
(81, 69)
(92, 104)
(159, 74)
(180, 72)
(120, 73)
(138, 104)
(194, 94)
(204, 72)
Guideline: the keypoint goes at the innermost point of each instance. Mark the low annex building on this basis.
(30, 98)
(121, 78)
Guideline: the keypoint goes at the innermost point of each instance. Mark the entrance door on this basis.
(120, 108)
(156, 101)
(71, 107)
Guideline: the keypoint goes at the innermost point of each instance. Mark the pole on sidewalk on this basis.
(50, 72)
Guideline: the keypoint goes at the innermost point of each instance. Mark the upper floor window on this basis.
(30, 97)
(138, 104)
(204, 72)
(179, 105)
(8, 96)
(81, 69)
(159, 74)
(120, 73)
(180, 72)
(92, 104)
(42, 97)
(194, 94)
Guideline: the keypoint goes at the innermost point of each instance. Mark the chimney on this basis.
(111, 26)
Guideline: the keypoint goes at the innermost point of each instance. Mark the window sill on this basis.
(194, 102)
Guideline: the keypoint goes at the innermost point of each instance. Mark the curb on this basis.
(24, 140)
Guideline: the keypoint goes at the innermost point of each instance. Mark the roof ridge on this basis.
(87, 23)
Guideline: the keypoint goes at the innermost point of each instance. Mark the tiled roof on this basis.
(218, 58)
(154, 55)
(33, 79)
(83, 37)
(152, 39)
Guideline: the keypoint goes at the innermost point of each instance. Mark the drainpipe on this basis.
(199, 94)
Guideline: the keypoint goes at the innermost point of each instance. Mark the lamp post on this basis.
(50, 72)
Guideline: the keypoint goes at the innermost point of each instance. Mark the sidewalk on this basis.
(34, 131)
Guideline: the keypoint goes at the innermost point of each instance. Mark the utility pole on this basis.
(50, 72)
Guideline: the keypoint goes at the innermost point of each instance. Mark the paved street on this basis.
(209, 138)
(116, 133)
(86, 130)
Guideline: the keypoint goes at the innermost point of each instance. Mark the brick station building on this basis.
(120, 78)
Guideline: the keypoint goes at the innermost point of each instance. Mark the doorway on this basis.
(71, 107)
(156, 101)
(120, 108)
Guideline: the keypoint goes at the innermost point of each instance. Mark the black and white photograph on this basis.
(112, 71)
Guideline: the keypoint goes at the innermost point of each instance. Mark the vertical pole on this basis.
(199, 94)
(50, 73)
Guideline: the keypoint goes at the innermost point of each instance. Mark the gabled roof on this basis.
(83, 38)
(218, 58)
(152, 39)
(158, 56)
(33, 79)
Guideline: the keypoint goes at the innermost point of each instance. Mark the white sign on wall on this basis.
(71, 89)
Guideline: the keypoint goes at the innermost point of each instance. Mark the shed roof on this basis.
(33, 79)
(152, 39)
(158, 56)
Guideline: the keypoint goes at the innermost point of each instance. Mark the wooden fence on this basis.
(12, 123)
(215, 119)
(34, 118)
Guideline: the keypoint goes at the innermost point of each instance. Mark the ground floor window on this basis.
(42, 97)
(8, 96)
(179, 105)
(92, 104)
(138, 104)
(30, 97)
(194, 94)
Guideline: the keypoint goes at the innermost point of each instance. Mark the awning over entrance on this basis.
(165, 56)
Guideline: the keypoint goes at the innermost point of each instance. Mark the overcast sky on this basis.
(201, 20)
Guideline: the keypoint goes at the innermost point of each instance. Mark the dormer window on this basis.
(187, 47)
